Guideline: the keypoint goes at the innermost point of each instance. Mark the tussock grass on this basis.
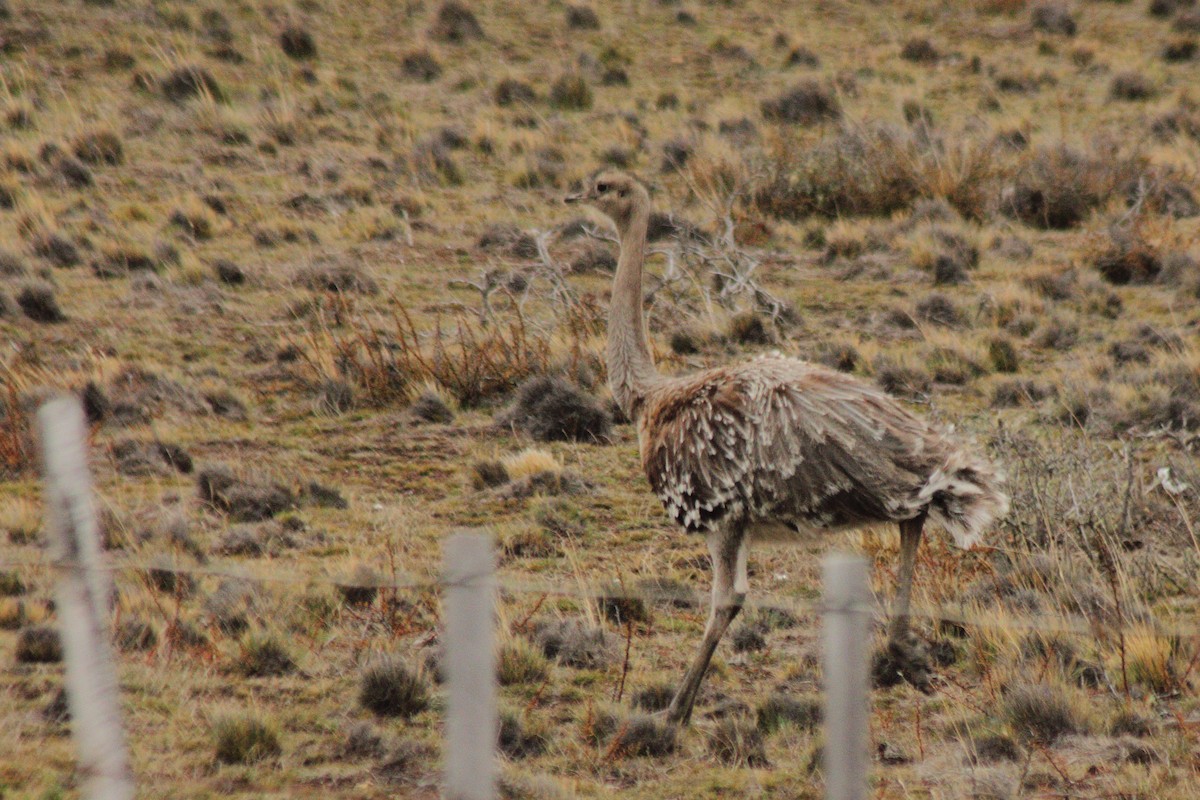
(392, 203)
(390, 688)
(245, 739)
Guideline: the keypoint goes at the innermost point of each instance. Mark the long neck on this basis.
(631, 370)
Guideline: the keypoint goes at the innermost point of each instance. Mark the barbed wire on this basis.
(616, 591)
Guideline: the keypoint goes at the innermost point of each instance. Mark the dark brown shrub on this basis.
(1180, 50)
(1183, 120)
(1127, 257)
(228, 272)
(1167, 8)
(1130, 85)
(38, 302)
(99, 147)
(1053, 18)
(38, 644)
(1016, 392)
(582, 18)
(1040, 713)
(421, 65)
(298, 43)
(622, 607)
(571, 93)
(216, 26)
(390, 688)
(74, 172)
(920, 51)
(1187, 22)
(802, 57)
(1058, 187)
(429, 407)
(336, 277)
(939, 309)
(511, 91)
(184, 83)
(900, 379)
(550, 409)
(455, 23)
(245, 500)
(808, 103)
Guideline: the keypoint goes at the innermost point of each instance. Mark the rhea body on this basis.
(773, 446)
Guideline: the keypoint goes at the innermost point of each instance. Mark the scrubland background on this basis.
(298, 258)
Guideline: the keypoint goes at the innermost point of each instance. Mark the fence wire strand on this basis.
(599, 593)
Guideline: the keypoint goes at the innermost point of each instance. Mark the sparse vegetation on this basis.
(327, 249)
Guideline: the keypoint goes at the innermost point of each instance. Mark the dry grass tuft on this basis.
(808, 103)
(778, 710)
(519, 739)
(245, 739)
(574, 644)
(1041, 713)
(737, 742)
(101, 146)
(639, 736)
(530, 461)
(390, 688)
(519, 664)
(190, 81)
(38, 644)
(263, 655)
(570, 92)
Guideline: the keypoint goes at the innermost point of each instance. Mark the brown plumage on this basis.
(773, 445)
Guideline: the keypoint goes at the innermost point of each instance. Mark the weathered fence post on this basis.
(84, 596)
(847, 643)
(471, 723)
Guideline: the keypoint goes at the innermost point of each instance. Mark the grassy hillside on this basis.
(298, 258)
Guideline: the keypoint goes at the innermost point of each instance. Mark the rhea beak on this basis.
(574, 198)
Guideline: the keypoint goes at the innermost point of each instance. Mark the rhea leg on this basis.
(910, 540)
(904, 659)
(728, 550)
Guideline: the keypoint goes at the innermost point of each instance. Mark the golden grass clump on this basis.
(1150, 660)
(531, 461)
(245, 739)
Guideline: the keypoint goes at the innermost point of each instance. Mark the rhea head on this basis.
(615, 194)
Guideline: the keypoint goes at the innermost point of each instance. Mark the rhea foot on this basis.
(904, 658)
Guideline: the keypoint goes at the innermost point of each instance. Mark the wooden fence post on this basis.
(83, 603)
(471, 724)
(847, 642)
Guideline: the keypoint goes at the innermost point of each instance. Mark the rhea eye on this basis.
(601, 187)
